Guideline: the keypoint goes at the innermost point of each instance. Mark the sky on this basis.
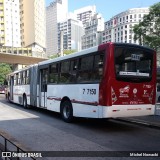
(108, 8)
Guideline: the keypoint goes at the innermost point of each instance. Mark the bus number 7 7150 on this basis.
(89, 91)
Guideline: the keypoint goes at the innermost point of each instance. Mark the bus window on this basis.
(73, 70)
(23, 77)
(98, 67)
(15, 79)
(53, 73)
(64, 72)
(133, 64)
(19, 78)
(85, 69)
(158, 93)
(27, 77)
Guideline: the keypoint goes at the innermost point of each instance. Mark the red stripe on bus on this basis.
(16, 94)
(53, 98)
(74, 101)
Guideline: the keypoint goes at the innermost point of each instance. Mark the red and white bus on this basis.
(109, 80)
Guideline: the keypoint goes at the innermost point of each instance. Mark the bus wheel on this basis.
(67, 111)
(25, 105)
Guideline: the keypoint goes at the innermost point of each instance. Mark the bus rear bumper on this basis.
(126, 110)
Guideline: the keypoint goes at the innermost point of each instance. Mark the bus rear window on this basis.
(132, 64)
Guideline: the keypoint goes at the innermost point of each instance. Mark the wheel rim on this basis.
(24, 102)
(66, 111)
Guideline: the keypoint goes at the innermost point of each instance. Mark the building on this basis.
(23, 27)
(33, 24)
(10, 23)
(55, 13)
(93, 30)
(84, 14)
(120, 27)
(70, 31)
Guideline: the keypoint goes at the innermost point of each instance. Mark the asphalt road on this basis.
(41, 130)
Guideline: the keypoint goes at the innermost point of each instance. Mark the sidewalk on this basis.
(151, 121)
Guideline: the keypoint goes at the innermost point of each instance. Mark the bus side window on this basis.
(23, 77)
(98, 67)
(15, 79)
(19, 78)
(64, 72)
(85, 69)
(27, 77)
(73, 70)
(53, 73)
(158, 87)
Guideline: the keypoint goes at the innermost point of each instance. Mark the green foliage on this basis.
(53, 56)
(148, 31)
(4, 70)
(66, 52)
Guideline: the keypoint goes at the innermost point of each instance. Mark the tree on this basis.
(66, 52)
(4, 70)
(148, 31)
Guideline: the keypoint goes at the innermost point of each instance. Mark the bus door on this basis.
(11, 87)
(43, 87)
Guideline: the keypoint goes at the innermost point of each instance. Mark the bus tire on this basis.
(67, 111)
(25, 105)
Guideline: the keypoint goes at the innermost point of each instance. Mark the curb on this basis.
(139, 122)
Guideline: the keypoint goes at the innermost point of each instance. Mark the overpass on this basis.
(19, 59)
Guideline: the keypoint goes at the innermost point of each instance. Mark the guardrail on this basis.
(6, 149)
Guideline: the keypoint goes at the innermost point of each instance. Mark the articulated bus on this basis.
(107, 81)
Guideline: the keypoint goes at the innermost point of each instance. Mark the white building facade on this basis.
(55, 13)
(33, 24)
(71, 32)
(120, 27)
(93, 31)
(84, 14)
(10, 28)
(23, 28)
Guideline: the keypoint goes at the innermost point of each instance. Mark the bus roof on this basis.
(83, 52)
(133, 45)
(23, 69)
(90, 50)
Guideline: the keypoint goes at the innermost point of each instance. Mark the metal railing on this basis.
(4, 149)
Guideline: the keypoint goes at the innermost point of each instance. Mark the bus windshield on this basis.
(133, 64)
